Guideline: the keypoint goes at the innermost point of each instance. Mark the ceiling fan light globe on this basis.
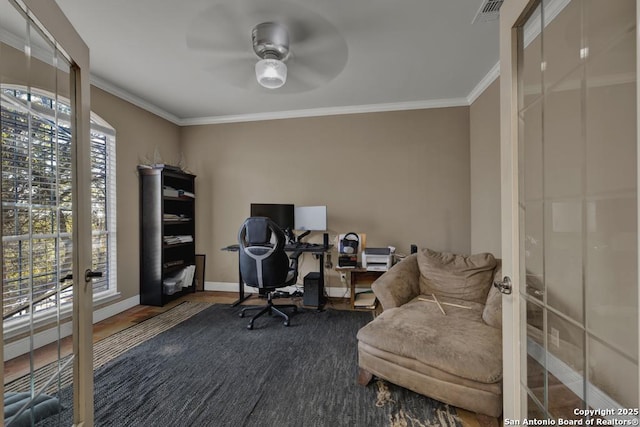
(271, 73)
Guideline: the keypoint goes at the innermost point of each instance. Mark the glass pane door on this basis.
(42, 144)
(577, 126)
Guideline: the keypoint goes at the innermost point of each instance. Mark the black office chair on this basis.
(265, 264)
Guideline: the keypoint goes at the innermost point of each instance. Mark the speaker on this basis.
(325, 240)
(313, 293)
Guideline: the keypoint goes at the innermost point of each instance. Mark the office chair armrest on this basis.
(294, 259)
(295, 256)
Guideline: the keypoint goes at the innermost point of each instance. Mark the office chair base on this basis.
(270, 308)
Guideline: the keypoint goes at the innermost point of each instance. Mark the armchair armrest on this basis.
(399, 285)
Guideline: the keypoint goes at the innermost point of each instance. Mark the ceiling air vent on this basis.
(489, 11)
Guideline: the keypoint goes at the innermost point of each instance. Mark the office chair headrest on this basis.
(258, 230)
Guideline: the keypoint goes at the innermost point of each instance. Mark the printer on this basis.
(377, 259)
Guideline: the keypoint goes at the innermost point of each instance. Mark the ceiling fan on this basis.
(273, 44)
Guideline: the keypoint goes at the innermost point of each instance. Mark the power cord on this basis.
(327, 262)
(298, 292)
(343, 279)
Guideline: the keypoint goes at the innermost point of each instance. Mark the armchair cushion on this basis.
(451, 275)
(458, 343)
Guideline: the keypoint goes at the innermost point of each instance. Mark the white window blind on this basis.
(37, 203)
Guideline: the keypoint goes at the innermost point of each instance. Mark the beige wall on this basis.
(484, 139)
(400, 177)
(138, 135)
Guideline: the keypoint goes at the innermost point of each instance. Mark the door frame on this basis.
(49, 17)
(513, 14)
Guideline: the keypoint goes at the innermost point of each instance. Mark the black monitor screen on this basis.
(280, 214)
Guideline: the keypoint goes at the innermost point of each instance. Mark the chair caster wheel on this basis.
(286, 323)
(250, 326)
(241, 314)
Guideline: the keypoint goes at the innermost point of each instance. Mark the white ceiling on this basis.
(394, 55)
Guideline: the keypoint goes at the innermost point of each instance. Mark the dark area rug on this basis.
(209, 370)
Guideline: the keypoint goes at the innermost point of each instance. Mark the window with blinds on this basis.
(37, 202)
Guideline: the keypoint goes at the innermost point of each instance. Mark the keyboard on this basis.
(299, 246)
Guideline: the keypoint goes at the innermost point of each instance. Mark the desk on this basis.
(316, 249)
(359, 276)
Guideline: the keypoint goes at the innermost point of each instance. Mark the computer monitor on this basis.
(281, 214)
(311, 218)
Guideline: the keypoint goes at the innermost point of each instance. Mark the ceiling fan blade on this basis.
(318, 60)
(237, 72)
(221, 27)
(302, 82)
(306, 27)
(222, 23)
(208, 55)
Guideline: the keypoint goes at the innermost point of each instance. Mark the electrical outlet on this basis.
(555, 337)
(343, 279)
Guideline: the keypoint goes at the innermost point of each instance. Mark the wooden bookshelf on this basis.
(159, 260)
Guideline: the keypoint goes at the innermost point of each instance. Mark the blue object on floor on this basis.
(42, 407)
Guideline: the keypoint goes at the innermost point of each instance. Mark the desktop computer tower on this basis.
(313, 292)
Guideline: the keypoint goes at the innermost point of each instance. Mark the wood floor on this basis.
(20, 366)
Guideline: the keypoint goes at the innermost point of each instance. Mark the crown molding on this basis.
(135, 100)
(483, 84)
(552, 10)
(276, 115)
(329, 111)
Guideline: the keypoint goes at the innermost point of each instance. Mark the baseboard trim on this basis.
(48, 336)
(233, 287)
(40, 339)
(226, 287)
(113, 309)
(597, 398)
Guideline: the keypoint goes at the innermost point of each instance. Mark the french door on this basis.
(569, 160)
(46, 194)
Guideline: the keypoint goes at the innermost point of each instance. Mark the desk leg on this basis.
(352, 286)
(241, 296)
(321, 280)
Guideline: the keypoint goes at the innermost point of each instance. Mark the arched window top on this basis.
(45, 103)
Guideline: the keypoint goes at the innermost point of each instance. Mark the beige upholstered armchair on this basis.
(440, 330)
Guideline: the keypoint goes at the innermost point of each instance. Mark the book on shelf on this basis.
(175, 217)
(365, 300)
(176, 263)
(174, 240)
(170, 192)
(176, 192)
